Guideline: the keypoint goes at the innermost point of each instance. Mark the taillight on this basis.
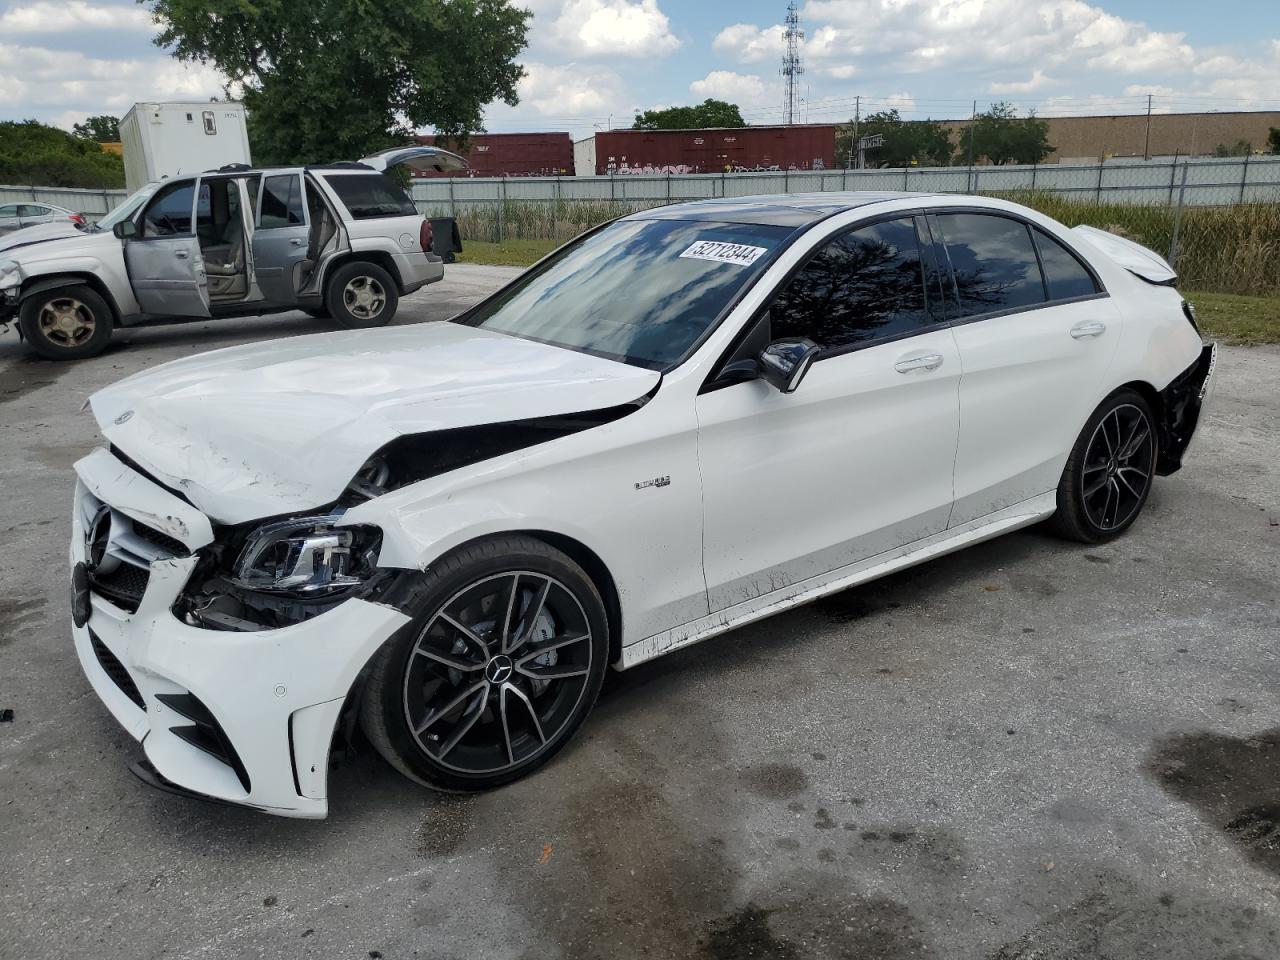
(426, 236)
(77, 219)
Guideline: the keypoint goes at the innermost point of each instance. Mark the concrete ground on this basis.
(1029, 749)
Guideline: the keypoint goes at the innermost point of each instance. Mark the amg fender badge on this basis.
(655, 482)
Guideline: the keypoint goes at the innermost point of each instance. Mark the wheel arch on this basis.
(43, 284)
(380, 257)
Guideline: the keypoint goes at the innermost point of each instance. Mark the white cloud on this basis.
(1036, 81)
(747, 43)
(70, 85)
(726, 85)
(619, 28)
(46, 16)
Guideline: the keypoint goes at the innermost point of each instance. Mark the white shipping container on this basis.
(164, 139)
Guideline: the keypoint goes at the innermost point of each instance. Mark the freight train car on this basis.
(719, 150)
(512, 154)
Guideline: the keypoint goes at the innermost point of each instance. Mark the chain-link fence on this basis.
(1217, 220)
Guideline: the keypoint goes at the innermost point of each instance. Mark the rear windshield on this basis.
(368, 196)
(640, 291)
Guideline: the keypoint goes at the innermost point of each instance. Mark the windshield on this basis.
(128, 208)
(640, 291)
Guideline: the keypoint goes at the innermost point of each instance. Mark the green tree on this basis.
(336, 79)
(103, 128)
(1002, 136)
(907, 143)
(40, 155)
(1241, 148)
(709, 113)
(1273, 140)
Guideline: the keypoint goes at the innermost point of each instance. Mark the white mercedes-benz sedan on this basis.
(682, 421)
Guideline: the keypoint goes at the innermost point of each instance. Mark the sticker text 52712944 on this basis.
(722, 252)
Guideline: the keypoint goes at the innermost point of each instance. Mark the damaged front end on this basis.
(281, 571)
(1182, 405)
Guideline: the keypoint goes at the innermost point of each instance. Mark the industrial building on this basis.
(1171, 134)
(810, 146)
(512, 154)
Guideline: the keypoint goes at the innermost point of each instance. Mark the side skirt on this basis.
(975, 531)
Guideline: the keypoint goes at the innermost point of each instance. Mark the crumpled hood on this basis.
(282, 427)
(39, 233)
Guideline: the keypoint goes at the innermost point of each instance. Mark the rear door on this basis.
(33, 213)
(164, 261)
(280, 234)
(1035, 342)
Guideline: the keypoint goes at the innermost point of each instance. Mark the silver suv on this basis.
(341, 240)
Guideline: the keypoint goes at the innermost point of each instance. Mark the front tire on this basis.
(66, 323)
(1108, 476)
(502, 663)
(361, 294)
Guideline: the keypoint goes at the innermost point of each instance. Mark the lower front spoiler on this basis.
(1183, 403)
(144, 771)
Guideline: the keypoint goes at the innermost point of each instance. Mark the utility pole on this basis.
(857, 118)
(792, 68)
(973, 122)
(1146, 149)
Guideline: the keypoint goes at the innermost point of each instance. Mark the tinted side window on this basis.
(370, 195)
(282, 202)
(1064, 275)
(26, 210)
(863, 285)
(993, 260)
(9, 210)
(169, 214)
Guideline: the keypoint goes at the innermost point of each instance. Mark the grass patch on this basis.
(1232, 318)
(512, 253)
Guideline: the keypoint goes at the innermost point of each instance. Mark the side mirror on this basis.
(125, 230)
(785, 362)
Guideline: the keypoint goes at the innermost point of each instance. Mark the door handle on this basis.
(1090, 328)
(181, 254)
(930, 361)
(295, 242)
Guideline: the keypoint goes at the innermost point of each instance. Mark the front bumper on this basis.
(245, 718)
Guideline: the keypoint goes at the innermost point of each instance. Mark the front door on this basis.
(858, 460)
(280, 235)
(164, 261)
(1036, 335)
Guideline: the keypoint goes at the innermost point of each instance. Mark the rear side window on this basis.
(368, 196)
(864, 285)
(993, 260)
(29, 211)
(282, 202)
(1064, 275)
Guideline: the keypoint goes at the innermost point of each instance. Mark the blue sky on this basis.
(592, 62)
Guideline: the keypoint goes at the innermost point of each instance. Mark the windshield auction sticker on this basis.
(720, 252)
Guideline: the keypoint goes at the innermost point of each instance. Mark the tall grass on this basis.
(1233, 249)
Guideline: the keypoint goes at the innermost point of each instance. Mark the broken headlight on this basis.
(307, 557)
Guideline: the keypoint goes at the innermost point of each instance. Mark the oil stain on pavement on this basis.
(1232, 782)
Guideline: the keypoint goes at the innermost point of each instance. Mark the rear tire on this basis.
(1108, 476)
(502, 663)
(66, 323)
(360, 295)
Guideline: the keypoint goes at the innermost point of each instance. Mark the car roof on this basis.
(779, 209)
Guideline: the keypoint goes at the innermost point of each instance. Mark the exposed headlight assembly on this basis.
(10, 275)
(307, 557)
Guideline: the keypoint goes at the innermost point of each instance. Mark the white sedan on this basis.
(684, 420)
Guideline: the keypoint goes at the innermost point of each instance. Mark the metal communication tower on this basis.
(792, 68)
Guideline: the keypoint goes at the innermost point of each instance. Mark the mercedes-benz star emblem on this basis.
(96, 537)
(499, 669)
